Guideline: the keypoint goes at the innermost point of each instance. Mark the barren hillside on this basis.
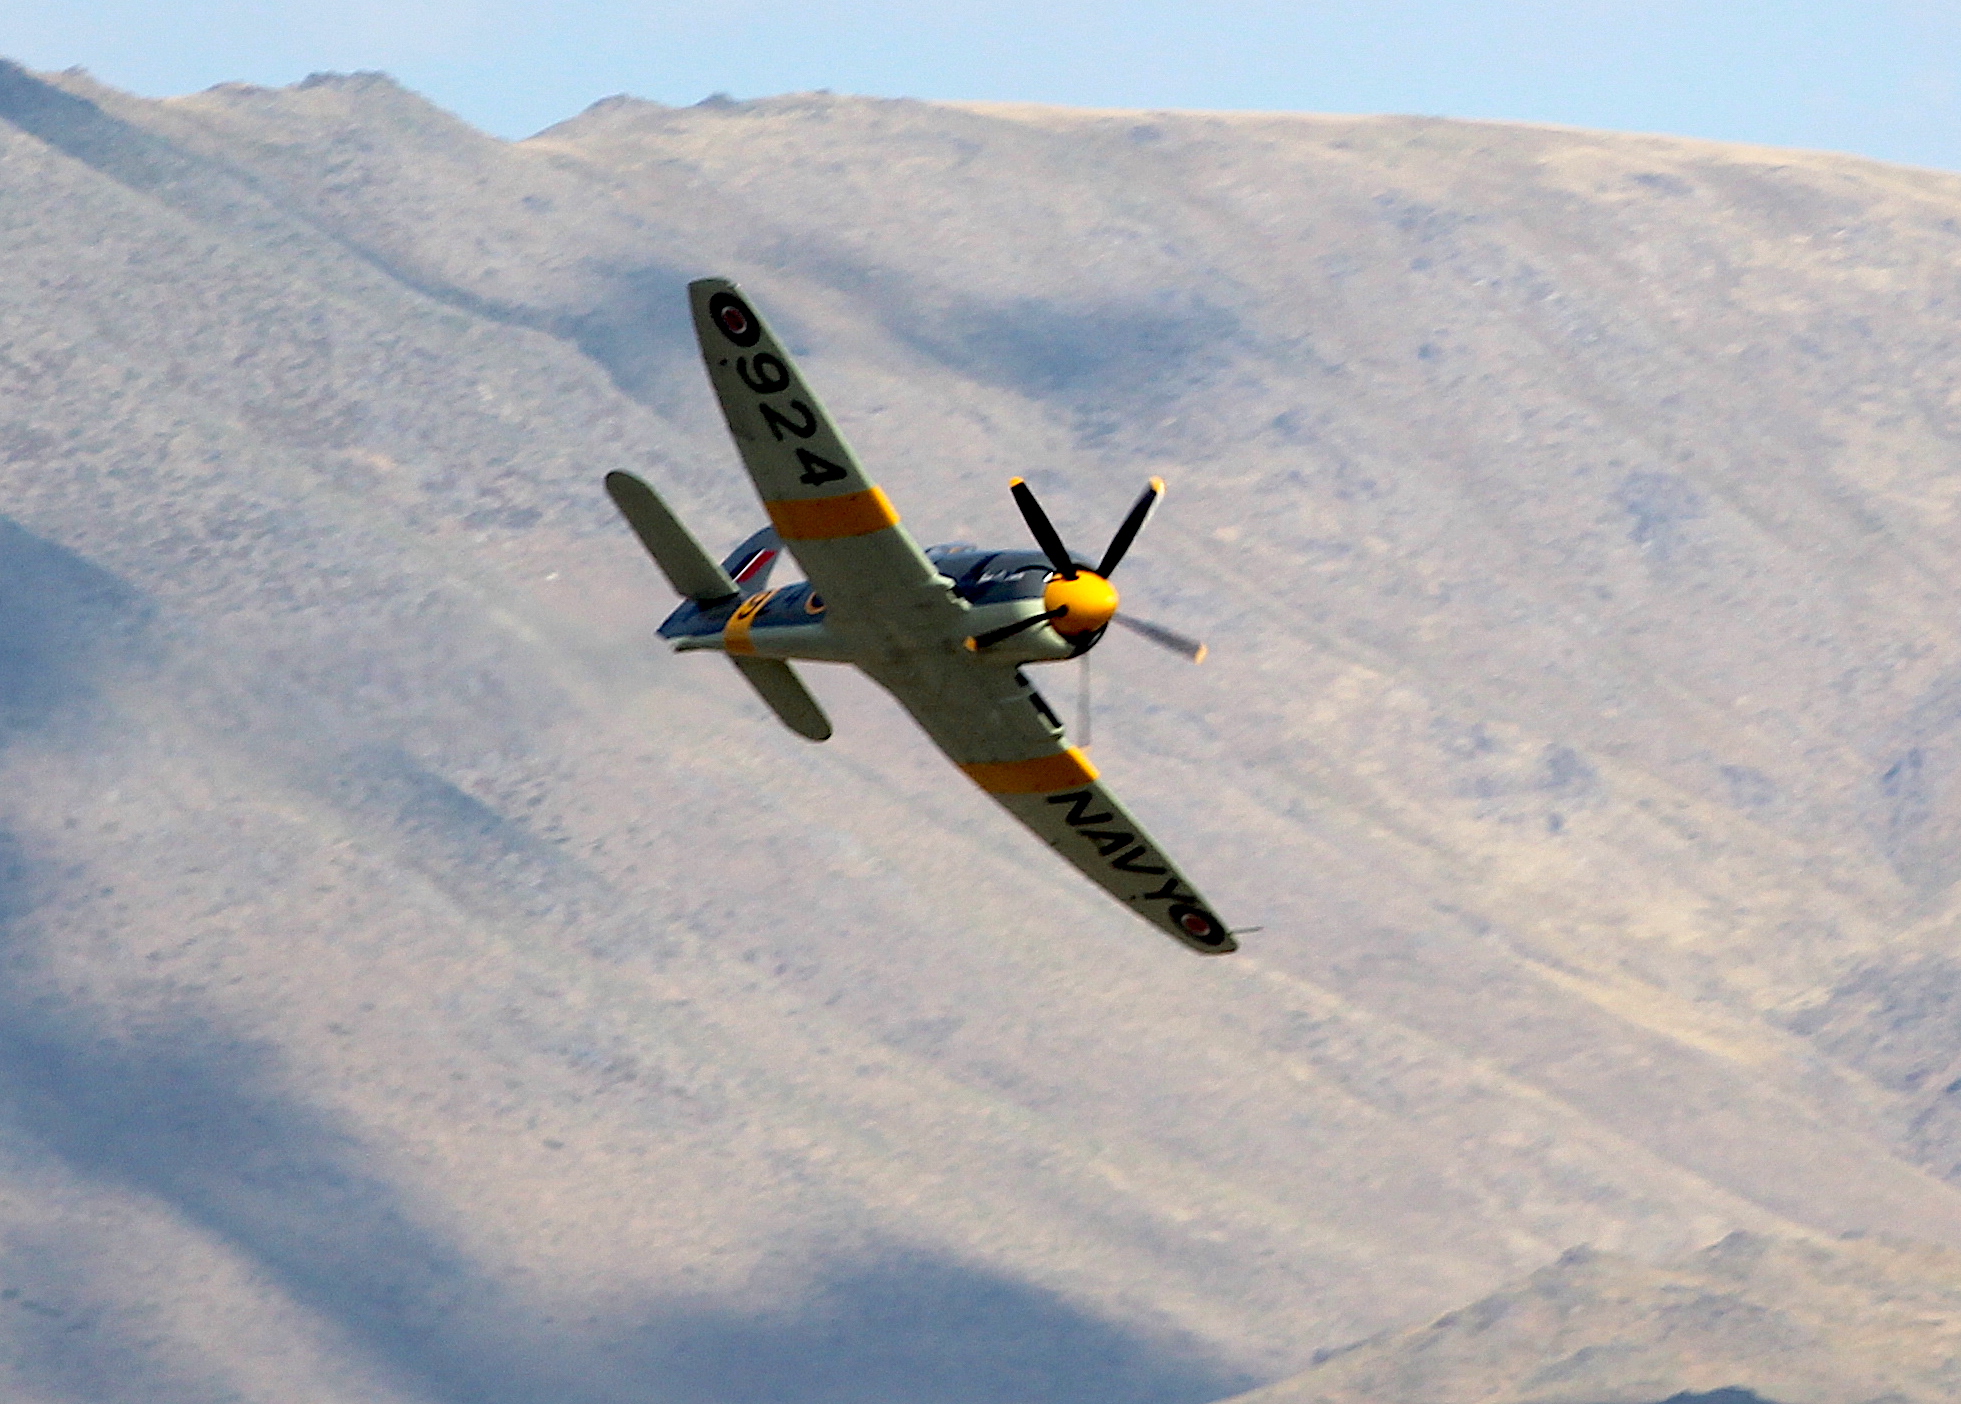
(1804, 1322)
(420, 986)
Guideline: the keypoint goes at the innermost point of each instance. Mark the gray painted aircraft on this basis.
(945, 630)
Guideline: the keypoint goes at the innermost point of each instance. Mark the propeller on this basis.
(1082, 702)
(1133, 522)
(1042, 529)
(1080, 602)
(1163, 637)
(991, 637)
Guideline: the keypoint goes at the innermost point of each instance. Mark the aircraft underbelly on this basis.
(814, 643)
(978, 713)
(875, 592)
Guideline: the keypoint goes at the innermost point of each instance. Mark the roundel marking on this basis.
(732, 315)
(1201, 926)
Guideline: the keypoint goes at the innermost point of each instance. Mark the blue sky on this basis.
(1882, 77)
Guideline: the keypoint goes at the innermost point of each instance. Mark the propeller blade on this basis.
(1163, 637)
(1132, 524)
(1083, 702)
(1042, 529)
(1008, 631)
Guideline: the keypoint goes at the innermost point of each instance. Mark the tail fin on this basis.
(750, 564)
(689, 569)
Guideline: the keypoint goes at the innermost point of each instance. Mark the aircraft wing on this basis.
(876, 583)
(999, 731)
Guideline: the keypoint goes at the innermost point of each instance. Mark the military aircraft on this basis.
(945, 630)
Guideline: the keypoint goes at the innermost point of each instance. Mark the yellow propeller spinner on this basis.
(1077, 602)
(1080, 606)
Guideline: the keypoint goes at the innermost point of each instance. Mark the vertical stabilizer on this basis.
(751, 564)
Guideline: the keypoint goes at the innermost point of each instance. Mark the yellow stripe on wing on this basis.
(827, 518)
(1040, 776)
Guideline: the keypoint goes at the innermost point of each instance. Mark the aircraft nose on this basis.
(1089, 600)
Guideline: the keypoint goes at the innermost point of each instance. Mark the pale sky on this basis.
(1882, 78)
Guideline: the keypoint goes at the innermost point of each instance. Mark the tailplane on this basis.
(708, 586)
(689, 569)
(779, 686)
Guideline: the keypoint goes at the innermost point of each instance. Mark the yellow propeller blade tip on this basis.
(1199, 657)
(1014, 482)
(972, 647)
(1158, 485)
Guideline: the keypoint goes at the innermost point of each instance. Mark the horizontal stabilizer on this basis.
(779, 686)
(689, 569)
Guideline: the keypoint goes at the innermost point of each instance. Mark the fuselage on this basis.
(999, 588)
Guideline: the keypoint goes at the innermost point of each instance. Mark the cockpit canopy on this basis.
(992, 577)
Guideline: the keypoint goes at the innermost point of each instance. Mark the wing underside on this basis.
(1007, 740)
(841, 527)
(1091, 830)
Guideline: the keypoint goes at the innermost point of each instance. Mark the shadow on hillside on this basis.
(913, 1327)
(1102, 358)
(78, 128)
(60, 618)
(184, 1113)
(639, 332)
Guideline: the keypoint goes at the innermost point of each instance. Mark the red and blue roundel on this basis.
(1199, 925)
(732, 317)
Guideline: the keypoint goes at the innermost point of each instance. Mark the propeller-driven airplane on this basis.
(945, 630)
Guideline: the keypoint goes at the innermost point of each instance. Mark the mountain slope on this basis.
(1802, 1322)
(425, 987)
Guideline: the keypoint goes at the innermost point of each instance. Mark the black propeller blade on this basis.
(1008, 631)
(1163, 637)
(1132, 524)
(1082, 702)
(1042, 529)
(1050, 540)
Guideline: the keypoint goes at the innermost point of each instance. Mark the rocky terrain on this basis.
(1808, 1322)
(420, 986)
